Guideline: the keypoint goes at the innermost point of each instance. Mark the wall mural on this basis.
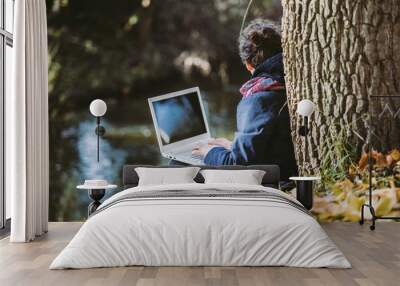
(129, 51)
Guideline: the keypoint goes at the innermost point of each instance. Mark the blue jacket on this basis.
(263, 128)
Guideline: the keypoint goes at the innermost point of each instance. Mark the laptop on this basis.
(180, 123)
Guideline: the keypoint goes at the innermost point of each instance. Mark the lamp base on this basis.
(304, 193)
(96, 195)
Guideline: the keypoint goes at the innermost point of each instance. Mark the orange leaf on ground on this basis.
(380, 159)
(363, 161)
(395, 154)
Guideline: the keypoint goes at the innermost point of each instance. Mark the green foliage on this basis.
(338, 154)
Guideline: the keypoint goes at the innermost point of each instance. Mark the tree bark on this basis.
(338, 53)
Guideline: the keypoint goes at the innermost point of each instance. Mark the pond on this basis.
(129, 139)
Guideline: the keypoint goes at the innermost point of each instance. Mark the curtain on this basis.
(27, 147)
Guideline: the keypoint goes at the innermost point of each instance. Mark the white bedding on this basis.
(200, 231)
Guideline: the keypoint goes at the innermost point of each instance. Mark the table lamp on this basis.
(304, 185)
(98, 108)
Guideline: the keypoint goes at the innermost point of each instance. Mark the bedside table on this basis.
(304, 190)
(95, 192)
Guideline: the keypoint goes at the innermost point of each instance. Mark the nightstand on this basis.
(96, 191)
(304, 190)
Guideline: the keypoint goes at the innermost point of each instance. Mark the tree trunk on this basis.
(337, 53)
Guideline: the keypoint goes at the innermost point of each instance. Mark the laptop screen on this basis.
(179, 118)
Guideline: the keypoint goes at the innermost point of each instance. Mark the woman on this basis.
(263, 124)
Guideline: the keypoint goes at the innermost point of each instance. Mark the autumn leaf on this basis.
(384, 206)
(341, 197)
(395, 154)
(355, 203)
(363, 161)
(380, 159)
(351, 215)
(352, 170)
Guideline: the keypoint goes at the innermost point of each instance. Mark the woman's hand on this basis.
(202, 150)
(222, 142)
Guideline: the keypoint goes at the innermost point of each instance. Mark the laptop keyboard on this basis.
(190, 157)
(198, 157)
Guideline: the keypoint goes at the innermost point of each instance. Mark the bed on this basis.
(197, 224)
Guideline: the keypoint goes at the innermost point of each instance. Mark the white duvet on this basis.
(200, 231)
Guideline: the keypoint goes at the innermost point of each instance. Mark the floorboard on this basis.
(375, 257)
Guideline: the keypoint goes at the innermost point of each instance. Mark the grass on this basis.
(338, 154)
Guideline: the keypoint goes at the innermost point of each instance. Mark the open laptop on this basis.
(180, 123)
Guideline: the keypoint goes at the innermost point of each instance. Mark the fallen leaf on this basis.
(395, 154)
(363, 161)
(380, 159)
(384, 206)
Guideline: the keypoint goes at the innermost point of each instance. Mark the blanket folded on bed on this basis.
(206, 193)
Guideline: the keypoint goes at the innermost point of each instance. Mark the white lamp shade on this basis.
(98, 107)
(305, 107)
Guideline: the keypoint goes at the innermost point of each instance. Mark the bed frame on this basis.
(271, 178)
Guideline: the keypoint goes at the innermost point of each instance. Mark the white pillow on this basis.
(247, 177)
(166, 176)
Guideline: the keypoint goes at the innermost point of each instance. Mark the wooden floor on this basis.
(375, 257)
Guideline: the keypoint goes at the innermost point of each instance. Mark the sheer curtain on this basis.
(27, 124)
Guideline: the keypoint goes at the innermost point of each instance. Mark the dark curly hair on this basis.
(260, 40)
